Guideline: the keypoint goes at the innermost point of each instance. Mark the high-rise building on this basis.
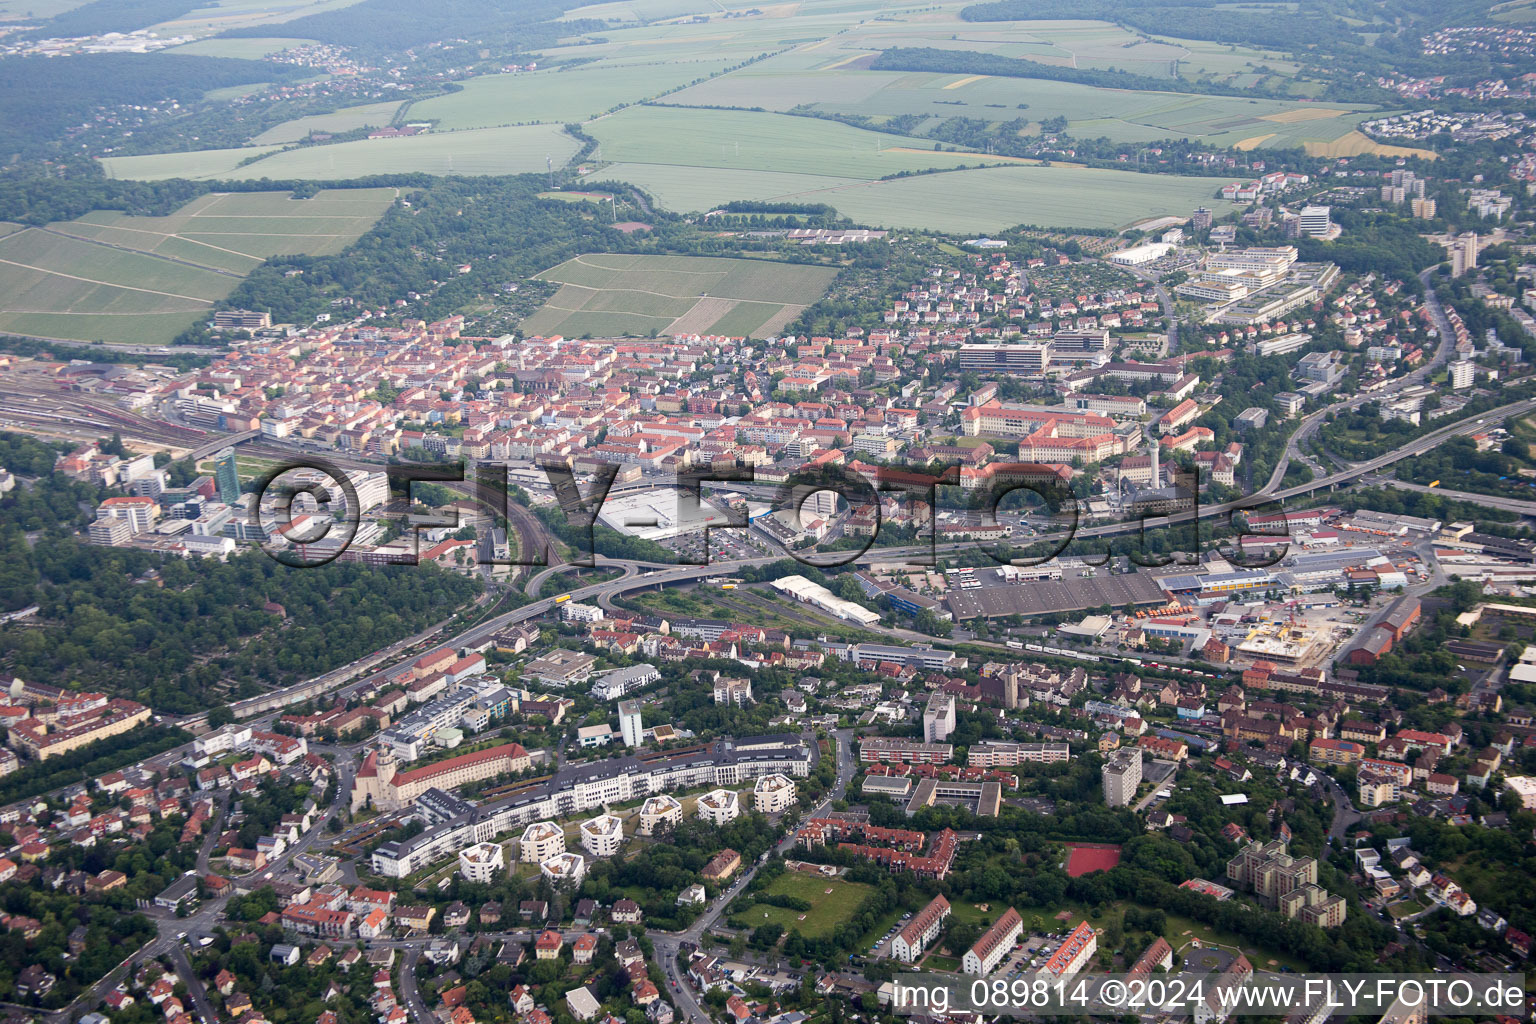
(226, 476)
(1424, 209)
(939, 717)
(1464, 254)
(1122, 774)
(630, 726)
(1316, 221)
(1462, 374)
(1201, 220)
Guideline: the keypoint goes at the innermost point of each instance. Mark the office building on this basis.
(226, 476)
(993, 359)
(1315, 221)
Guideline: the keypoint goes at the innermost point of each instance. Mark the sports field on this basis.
(141, 280)
(832, 901)
(1086, 858)
(612, 295)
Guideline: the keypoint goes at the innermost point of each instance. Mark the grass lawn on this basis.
(936, 962)
(971, 912)
(1181, 930)
(832, 901)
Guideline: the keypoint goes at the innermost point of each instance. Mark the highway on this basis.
(1525, 508)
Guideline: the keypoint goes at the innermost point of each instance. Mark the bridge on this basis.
(208, 448)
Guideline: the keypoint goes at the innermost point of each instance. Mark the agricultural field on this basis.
(557, 96)
(367, 115)
(978, 200)
(18, 10)
(636, 11)
(198, 165)
(832, 901)
(701, 188)
(751, 140)
(612, 295)
(485, 151)
(141, 280)
(832, 84)
(222, 15)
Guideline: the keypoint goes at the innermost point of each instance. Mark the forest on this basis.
(499, 226)
(194, 634)
(104, 16)
(44, 99)
(89, 762)
(112, 925)
(177, 634)
(396, 25)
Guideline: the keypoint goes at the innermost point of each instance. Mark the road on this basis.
(410, 991)
(668, 944)
(1344, 813)
(1525, 508)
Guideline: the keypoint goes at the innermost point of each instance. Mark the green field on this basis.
(702, 188)
(16, 10)
(221, 15)
(751, 140)
(609, 295)
(828, 909)
(826, 82)
(368, 115)
(198, 165)
(557, 96)
(141, 280)
(486, 151)
(985, 199)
